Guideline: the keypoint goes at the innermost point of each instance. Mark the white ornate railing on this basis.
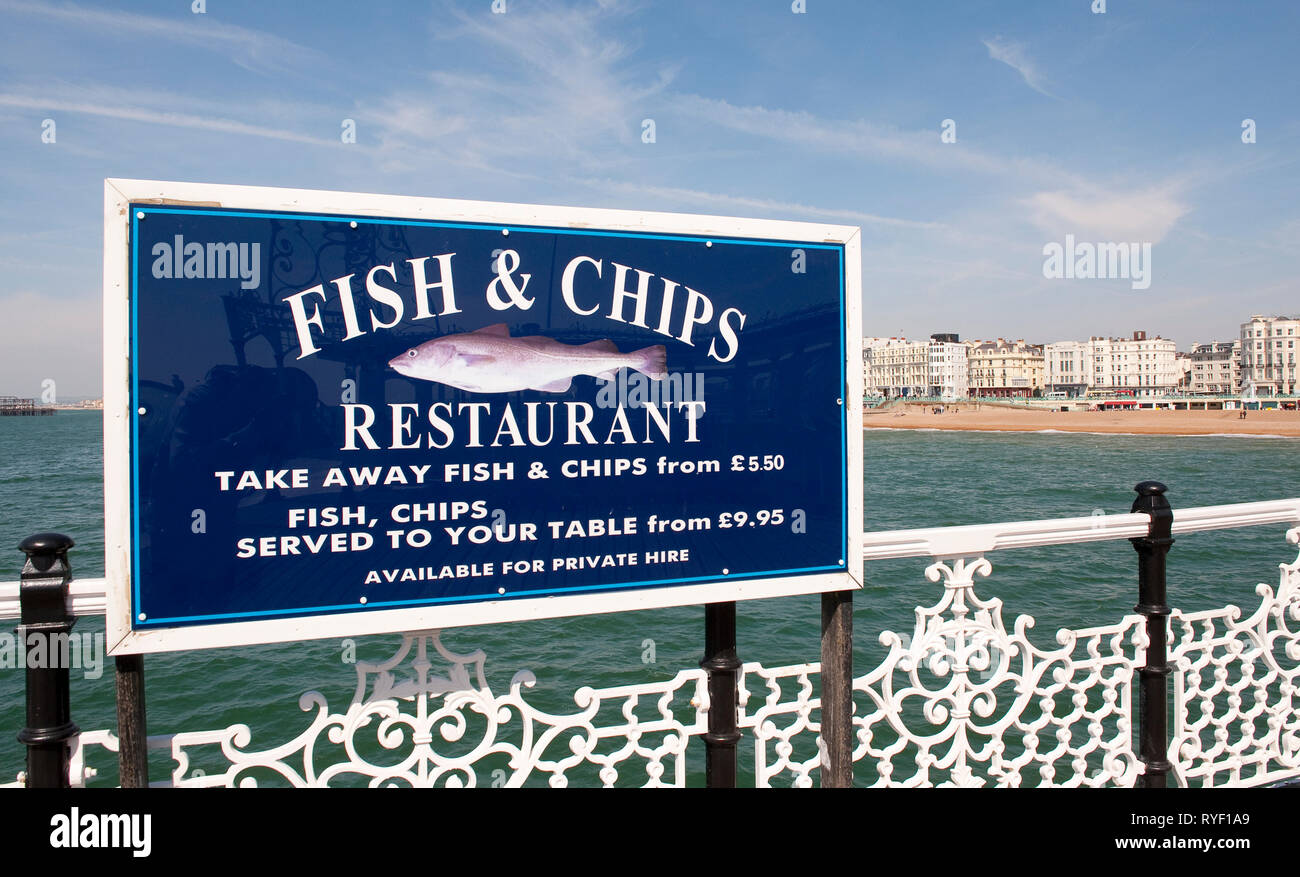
(961, 700)
(1237, 688)
(413, 724)
(980, 705)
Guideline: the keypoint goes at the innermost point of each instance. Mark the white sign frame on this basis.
(120, 193)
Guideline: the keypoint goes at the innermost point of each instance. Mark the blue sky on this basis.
(1121, 126)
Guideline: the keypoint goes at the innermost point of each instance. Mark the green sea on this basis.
(51, 479)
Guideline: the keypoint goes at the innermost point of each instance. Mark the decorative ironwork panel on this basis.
(964, 702)
(1236, 710)
(408, 725)
(783, 723)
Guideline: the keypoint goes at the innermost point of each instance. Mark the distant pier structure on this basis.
(12, 406)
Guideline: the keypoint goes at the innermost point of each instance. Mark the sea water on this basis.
(51, 479)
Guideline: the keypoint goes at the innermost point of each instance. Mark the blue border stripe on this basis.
(844, 417)
(481, 226)
(475, 600)
(135, 420)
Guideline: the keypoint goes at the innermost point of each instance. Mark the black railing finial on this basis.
(44, 629)
(723, 670)
(1153, 690)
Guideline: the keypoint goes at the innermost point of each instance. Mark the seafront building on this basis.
(898, 368)
(1138, 366)
(949, 370)
(1183, 368)
(1006, 369)
(1145, 366)
(1216, 368)
(1268, 355)
(1259, 364)
(895, 367)
(1068, 367)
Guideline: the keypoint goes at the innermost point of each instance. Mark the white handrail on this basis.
(975, 539)
(1243, 514)
(86, 596)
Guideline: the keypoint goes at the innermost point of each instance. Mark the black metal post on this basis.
(1153, 690)
(723, 669)
(132, 736)
(837, 690)
(43, 631)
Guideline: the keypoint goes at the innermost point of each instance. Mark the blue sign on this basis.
(343, 414)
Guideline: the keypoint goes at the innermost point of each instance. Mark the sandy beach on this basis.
(965, 416)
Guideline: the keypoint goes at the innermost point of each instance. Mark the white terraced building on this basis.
(1069, 367)
(895, 367)
(898, 368)
(1268, 355)
(1216, 367)
(949, 367)
(1145, 366)
(1140, 366)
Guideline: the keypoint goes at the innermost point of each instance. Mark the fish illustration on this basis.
(488, 360)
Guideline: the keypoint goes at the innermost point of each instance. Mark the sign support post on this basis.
(837, 690)
(132, 730)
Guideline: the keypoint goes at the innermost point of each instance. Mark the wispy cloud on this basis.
(765, 205)
(861, 139)
(249, 48)
(558, 87)
(1145, 215)
(1059, 200)
(158, 117)
(1013, 55)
